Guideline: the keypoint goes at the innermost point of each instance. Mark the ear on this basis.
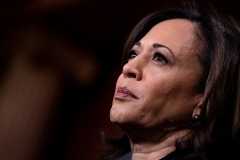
(197, 109)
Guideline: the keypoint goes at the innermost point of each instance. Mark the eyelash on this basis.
(160, 55)
(132, 54)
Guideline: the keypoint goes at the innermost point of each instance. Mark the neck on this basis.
(155, 149)
(141, 152)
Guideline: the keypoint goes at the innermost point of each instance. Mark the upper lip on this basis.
(126, 91)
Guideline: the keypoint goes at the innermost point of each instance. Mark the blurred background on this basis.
(59, 61)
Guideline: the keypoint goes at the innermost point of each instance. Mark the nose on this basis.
(132, 70)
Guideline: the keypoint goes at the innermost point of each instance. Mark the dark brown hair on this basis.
(216, 134)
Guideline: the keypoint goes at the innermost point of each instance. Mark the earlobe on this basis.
(197, 110)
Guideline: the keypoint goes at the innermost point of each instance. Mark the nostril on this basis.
(132, 75)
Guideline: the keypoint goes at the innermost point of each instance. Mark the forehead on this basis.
(175, 34)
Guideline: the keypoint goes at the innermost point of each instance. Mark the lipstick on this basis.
(123, 92)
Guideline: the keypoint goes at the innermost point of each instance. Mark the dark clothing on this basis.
(175, 155)
(127, 156)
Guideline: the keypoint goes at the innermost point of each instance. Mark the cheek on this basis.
(156, 95)
(162, 94)
(160, 88)
(173, 97)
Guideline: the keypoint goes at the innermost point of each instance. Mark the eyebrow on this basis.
(156, 45)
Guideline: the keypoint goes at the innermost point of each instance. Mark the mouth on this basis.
(123, 92)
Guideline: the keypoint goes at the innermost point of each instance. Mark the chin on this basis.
(114, 115)
(117, 116)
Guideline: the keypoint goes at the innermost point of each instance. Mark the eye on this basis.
(159, 57)
(131, 55)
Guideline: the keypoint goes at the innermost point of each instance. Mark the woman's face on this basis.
(160, 80)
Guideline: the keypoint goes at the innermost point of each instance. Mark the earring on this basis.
(196, 117)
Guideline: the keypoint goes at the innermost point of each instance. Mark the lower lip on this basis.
(120, 95)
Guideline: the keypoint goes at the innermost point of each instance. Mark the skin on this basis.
(162, 73)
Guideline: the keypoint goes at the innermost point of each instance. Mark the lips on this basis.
(123, 92)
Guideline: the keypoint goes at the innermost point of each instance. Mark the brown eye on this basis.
(159, 57)
(132, 54)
